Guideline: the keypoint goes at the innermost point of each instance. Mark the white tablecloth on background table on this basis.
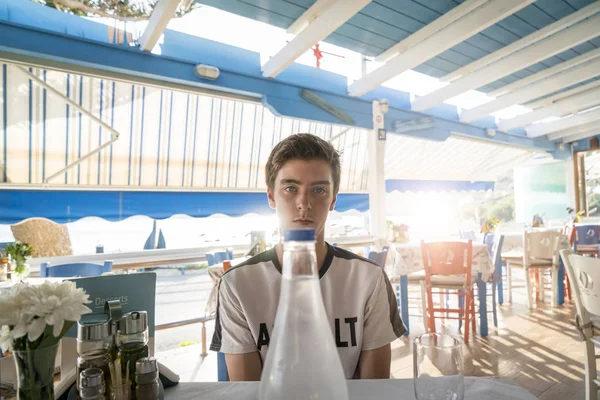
(476, 388)
(407, 259)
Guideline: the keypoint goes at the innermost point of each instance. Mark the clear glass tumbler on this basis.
(438, 367)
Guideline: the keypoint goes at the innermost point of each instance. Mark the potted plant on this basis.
(19, 253)
(33, 319)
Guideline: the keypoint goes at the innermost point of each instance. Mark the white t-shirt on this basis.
(359, 300)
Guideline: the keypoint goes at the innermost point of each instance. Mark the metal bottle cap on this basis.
(133, 322)
(93, 327)
(91, 378)
(146, 365)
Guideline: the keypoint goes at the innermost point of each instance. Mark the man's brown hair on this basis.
(306, 147)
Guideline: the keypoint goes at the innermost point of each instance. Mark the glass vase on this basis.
(19, 273)
(35, 373)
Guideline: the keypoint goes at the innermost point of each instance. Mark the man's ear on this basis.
(271, 198)
(332, 205)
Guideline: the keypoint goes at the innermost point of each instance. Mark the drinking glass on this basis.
(438, 367)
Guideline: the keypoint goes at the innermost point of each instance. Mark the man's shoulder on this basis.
(264, 259)
(346, 256)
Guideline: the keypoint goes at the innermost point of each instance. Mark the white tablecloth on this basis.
(407, 259)
(480, 388)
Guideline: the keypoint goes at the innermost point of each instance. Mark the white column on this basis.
(376, 172)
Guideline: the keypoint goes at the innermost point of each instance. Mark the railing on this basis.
(187, 322)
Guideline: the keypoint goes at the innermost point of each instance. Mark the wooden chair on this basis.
(448, 267)
(587, 240)
(74, 269)
(584, 274)
(540, 252)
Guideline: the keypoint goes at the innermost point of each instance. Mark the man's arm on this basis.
(375, 364)
(244, 367)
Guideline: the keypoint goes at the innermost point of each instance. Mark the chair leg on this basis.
(430, 316)
(567, 287)
(540, 275)
(509, 281)
(467, 314)
(529, 288)
(473, 319)
(554, 272)
(591, 389)
(424, 305)
(494, 311)
(461, 305)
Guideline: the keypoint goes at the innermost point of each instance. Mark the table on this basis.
(407, 259)
(480, 388)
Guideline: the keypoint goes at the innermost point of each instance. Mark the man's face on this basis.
(303, 195)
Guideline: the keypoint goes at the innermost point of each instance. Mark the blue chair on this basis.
(497, 278)
(210, 259)
(222, 373)
(218, 257)
(74, 269)
(587, 239)
(379, 257)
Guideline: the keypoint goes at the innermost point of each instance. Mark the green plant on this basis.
(19, 252)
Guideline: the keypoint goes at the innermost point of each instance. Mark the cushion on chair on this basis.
(47, 238)
(416, 276)
(533, 263)
(448, 281)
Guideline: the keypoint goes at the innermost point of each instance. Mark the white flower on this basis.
(6, 338)
(56, 303)
(28, 309)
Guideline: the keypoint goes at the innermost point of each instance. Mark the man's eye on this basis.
(290, 189)
(320, 190)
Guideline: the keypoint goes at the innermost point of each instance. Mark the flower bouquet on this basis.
(33, 319)
(489, 225)
(19, 253)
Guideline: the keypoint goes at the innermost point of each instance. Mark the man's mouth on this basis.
(303, 221)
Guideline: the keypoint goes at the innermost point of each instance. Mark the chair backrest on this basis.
(74, 270)
(467, 235)
(220, 256)
(47, 238)
(541, 245)
(210, 259)
(447, 258)
(584, 275)
(587, 234)
(380, 257)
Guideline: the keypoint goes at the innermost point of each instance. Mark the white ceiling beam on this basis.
(562, 95)
(563, 66)
(566, 106)
(537, 52)
(569, 122)
(541, 88)
(475, 21)
(582, 135)
(322, 26)
(563, 133)
(161, 15)
(526, 41)
(433, 27)
(308, 16)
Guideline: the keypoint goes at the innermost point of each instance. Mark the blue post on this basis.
(560, 296)
(404, 302)
(482, 289)
(222, 373)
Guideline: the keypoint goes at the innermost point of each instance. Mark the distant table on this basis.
(408, 259)
(480, 388)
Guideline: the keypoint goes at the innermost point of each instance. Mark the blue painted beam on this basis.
(240, 76)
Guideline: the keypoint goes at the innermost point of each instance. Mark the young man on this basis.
(303, 180)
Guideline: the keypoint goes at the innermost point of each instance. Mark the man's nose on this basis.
(303, 202)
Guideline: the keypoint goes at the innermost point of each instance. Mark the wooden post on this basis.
(204, 353)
